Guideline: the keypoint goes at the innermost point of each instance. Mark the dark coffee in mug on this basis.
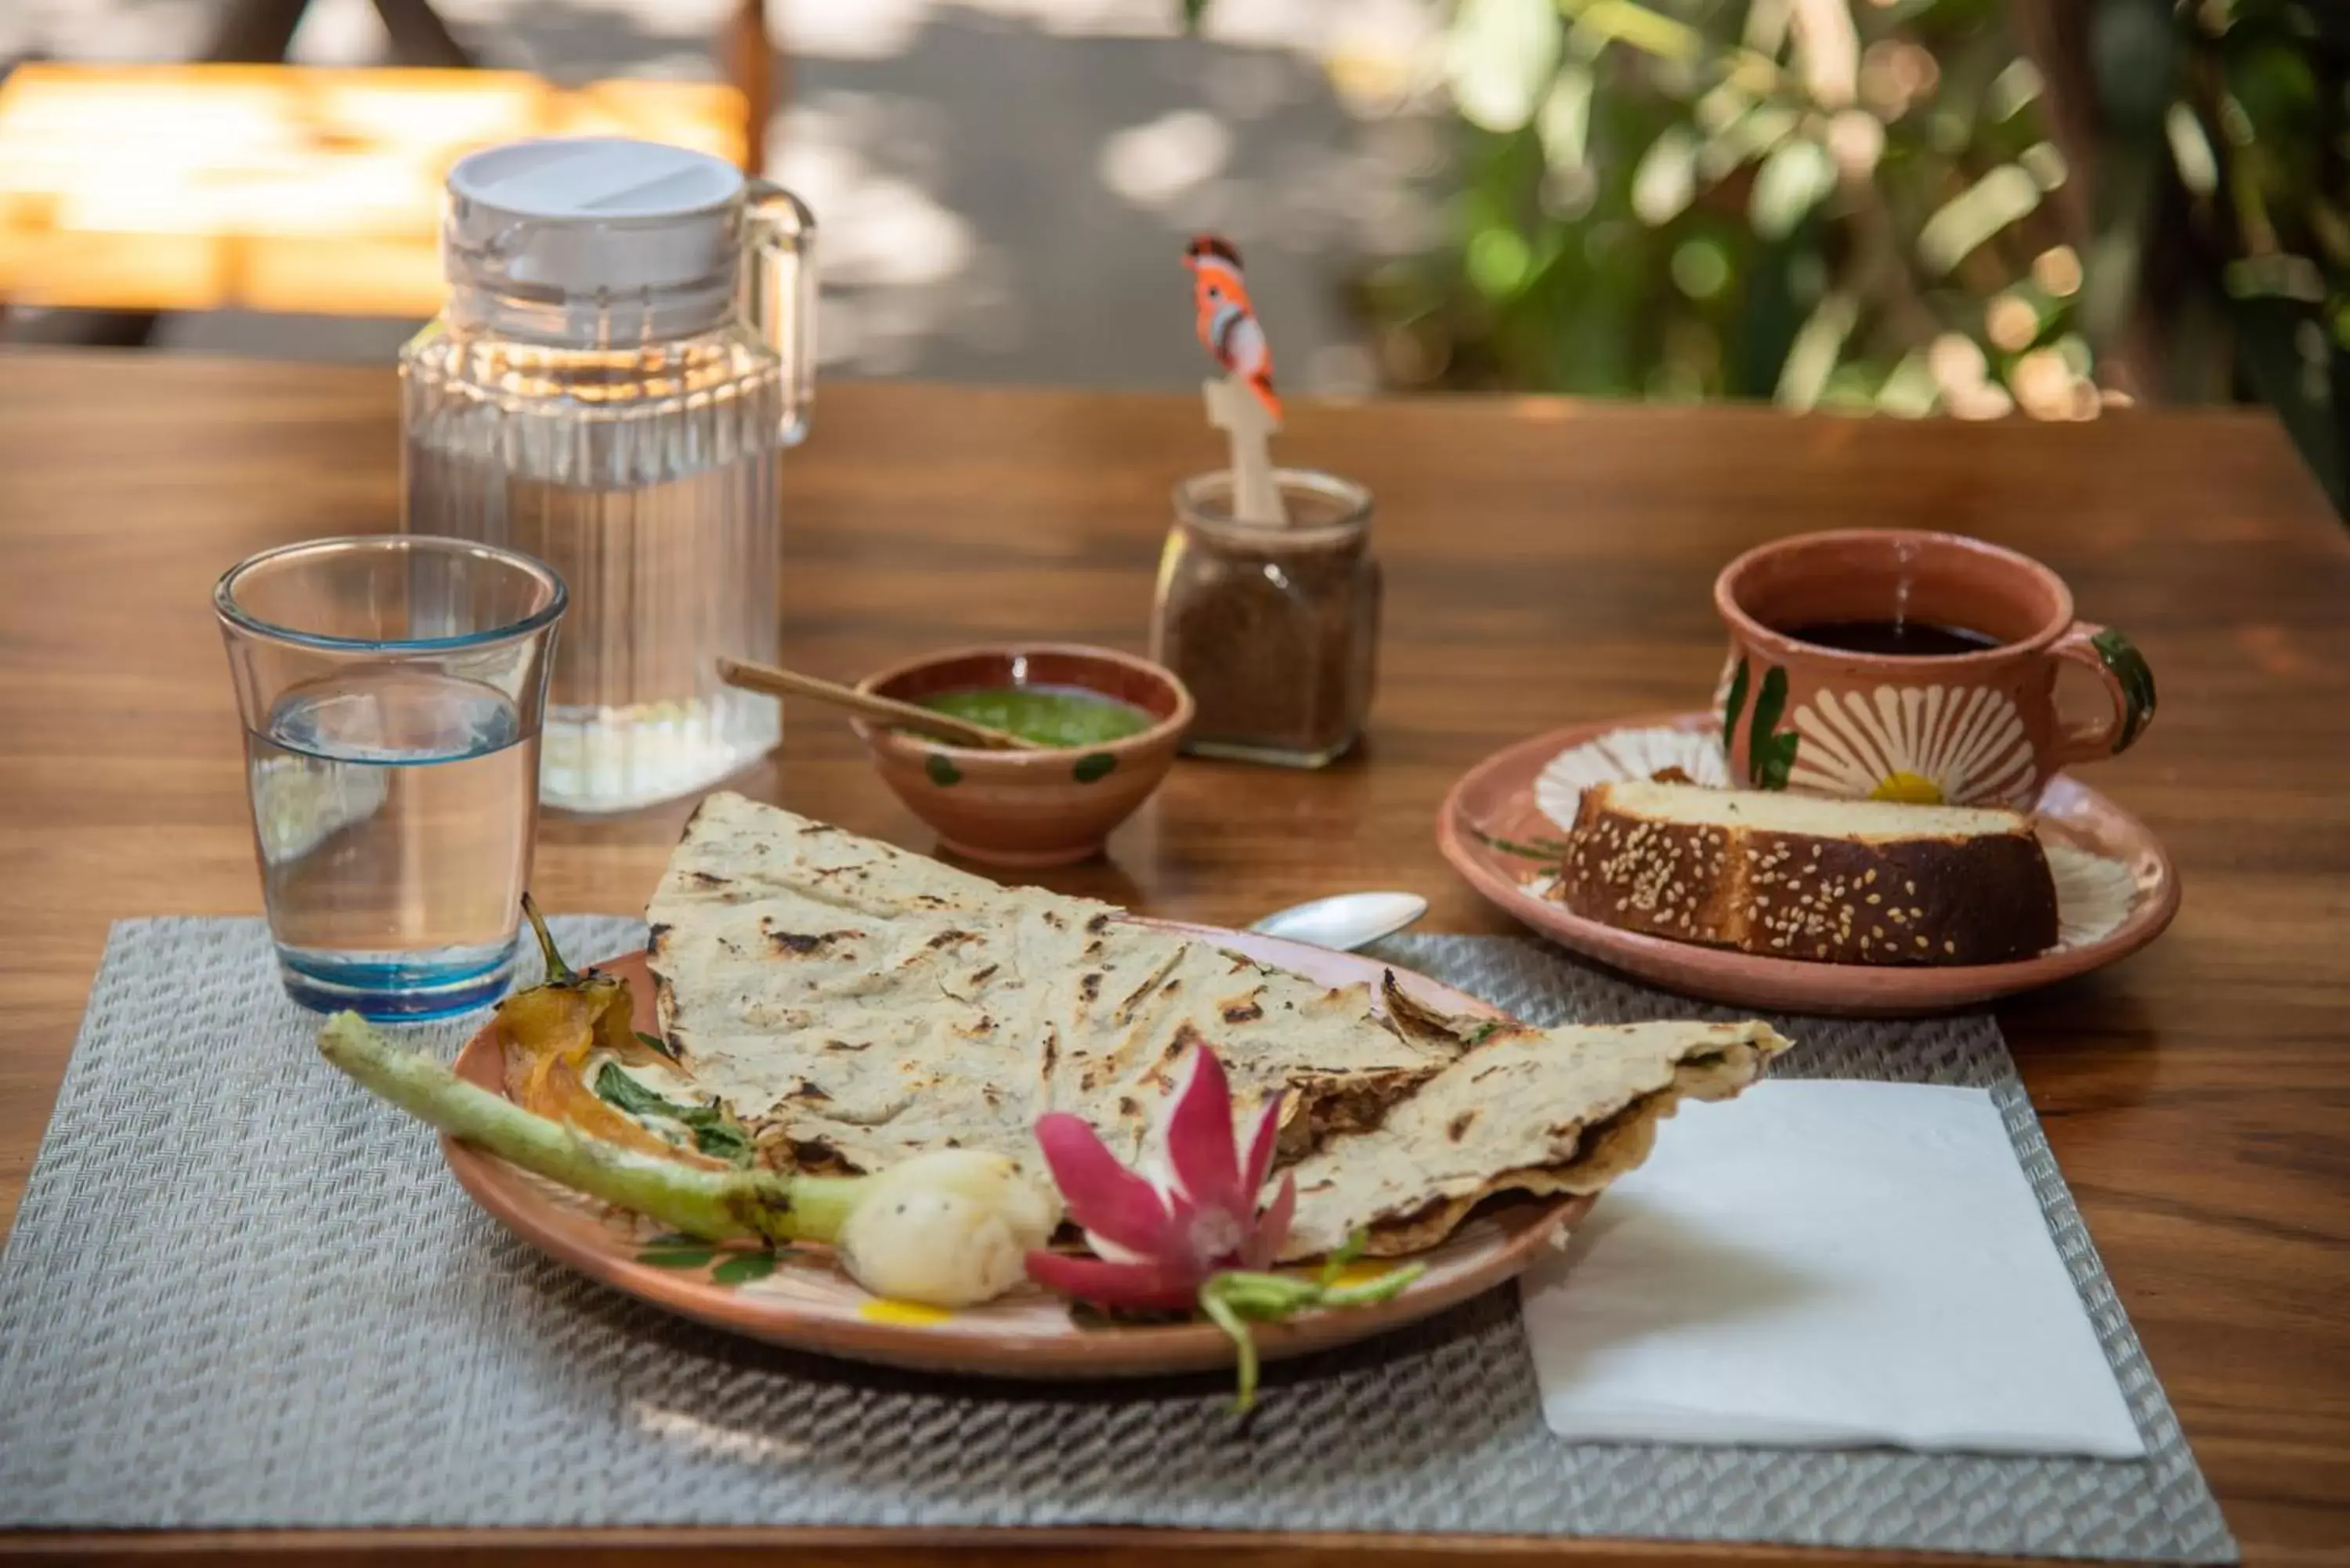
(1901, 638)
(1825, 689)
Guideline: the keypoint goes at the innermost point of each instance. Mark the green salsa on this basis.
(1048, 715)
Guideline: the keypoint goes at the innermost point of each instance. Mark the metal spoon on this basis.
(1344, 921)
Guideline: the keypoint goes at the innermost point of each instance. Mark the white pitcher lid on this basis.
(587, 216)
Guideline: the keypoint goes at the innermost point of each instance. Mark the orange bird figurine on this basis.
(1227, 322)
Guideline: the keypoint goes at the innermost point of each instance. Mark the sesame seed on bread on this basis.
(1800, 876)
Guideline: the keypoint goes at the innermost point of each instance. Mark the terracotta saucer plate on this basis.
(2115, 889)
(798, 1298)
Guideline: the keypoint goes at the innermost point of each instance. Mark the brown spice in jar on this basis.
(1273, 630)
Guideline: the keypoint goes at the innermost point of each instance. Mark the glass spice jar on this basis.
(1274, 628)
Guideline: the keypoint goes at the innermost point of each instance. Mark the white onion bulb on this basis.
(951, 1228)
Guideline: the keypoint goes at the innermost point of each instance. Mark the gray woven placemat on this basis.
(241, 1293)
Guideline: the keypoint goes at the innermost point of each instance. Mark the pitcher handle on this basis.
(779, 293)
(2115, 661)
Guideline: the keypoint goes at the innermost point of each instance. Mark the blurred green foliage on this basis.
(1908, 207)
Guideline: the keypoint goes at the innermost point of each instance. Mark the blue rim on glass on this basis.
(392, 990)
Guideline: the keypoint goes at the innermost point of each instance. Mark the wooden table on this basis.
(1548, 562)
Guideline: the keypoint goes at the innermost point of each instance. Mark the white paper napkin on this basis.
(1825, 1263)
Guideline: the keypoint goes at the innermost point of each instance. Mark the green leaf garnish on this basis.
(743, 1268)
(720, 1139)
(615, 1087)
(655, 1044)
(716, 1131)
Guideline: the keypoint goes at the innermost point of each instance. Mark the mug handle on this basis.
(2115, 661)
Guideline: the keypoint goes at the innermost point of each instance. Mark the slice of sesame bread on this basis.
(1798, 877)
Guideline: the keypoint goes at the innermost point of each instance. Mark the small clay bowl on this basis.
(1027, 809)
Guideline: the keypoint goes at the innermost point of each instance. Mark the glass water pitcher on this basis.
(626, 352)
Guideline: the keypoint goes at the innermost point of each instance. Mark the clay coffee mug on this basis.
(1925, 670)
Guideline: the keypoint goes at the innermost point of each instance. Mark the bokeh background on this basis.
(2043, 209)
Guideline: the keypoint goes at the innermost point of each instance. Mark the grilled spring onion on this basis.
(714, 1204)
(947, 1229)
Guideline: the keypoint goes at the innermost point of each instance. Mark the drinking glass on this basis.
(392, 689)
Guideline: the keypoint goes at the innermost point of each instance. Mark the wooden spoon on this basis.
(777, 683)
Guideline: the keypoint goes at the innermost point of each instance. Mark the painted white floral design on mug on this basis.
(1927, 745)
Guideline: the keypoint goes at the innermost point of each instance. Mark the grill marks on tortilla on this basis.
(1185, 1038)
(1559, 1110)
(1398, 1127)
(1124, 1012)
(800, 944)
(817, 1157)
(963, 1008)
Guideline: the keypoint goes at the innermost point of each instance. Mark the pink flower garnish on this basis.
(1197, 1242)
(1157, 1246)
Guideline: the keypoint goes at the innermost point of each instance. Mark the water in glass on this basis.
(391, 811)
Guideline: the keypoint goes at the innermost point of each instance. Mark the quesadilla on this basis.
(854, 1004)
(860, 1004)
(1524, 1110)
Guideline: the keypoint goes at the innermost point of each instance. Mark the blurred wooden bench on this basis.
(266, 187)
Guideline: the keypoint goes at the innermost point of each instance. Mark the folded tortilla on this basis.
(861, 1004)
(1524, 1110)
(854, 1003)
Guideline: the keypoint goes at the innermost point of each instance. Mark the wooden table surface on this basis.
(1548, 562)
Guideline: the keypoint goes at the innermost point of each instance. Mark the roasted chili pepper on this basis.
(554, 1029)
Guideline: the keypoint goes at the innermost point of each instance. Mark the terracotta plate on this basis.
(801, 1299)
(2116, 887)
